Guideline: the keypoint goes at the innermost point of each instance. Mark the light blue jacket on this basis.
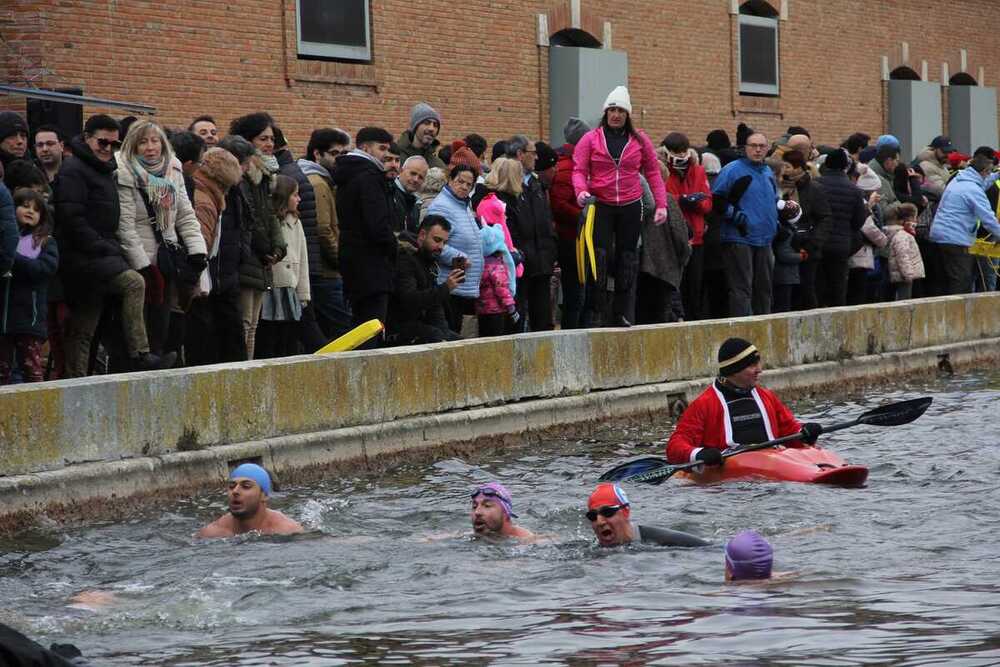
(759, 202)
(464, 241)
(963, 205)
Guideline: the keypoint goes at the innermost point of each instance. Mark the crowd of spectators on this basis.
(136, 247)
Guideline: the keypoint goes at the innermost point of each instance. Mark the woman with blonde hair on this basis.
(504, 185)
(158, 230)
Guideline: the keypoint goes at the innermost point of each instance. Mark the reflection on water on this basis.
(903, 572)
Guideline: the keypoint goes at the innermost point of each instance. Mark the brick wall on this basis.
(481, 66)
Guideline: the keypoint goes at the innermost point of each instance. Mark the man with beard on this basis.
(391, 162)
(608, 511)
(417, 312)
(492, 511)
(249, 492)
(421, 138)
(403, 195)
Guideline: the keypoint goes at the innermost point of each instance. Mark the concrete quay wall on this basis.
(81, 441)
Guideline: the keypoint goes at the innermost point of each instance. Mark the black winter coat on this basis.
(233, 244)
(416, 298)
(405, 209)
(87, 211)
(531, 230)
(307, 208)
(367, 245)
(814, 227)
(25, 294)
(847, 205)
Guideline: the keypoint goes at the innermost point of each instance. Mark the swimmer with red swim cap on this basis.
(609, 513)
(249, 492)
(492, 511)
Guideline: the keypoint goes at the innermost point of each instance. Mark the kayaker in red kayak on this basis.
(734, 411)
(608, 511)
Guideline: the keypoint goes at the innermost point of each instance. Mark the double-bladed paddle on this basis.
(656, 470)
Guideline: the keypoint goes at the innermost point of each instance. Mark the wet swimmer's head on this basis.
(492, 509)
(608, 511)
(748, 556)
(249, 489)
(739, 363)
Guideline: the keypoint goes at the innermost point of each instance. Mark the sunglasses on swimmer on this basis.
(607, 512)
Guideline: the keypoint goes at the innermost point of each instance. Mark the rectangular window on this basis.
(759, 55)
(339, 29)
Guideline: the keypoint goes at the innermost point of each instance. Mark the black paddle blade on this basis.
(632, 468)
(895, 414)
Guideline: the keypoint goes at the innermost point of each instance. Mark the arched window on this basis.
(963, 79)
(759, 72)
(904, 73)
(574, 37)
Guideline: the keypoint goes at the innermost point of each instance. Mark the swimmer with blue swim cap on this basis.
(249, 492)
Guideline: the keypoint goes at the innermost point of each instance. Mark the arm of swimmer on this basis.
(669, 538)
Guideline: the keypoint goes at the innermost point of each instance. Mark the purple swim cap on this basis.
(498, 492)
(749, 556)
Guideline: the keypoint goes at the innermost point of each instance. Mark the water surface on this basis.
(902, 572)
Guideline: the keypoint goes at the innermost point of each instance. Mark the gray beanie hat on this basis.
(422, 111)
(574, 130)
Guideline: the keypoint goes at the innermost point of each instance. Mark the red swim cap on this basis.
(609, 495)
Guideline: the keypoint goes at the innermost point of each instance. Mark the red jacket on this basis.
(694, 181)
(705, 424)
(596, 172)
(562, 198)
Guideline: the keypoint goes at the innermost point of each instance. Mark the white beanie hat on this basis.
(620, 98)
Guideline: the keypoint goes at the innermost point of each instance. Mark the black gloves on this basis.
(810, 432)
(197, 262)
(710, 456)
(692, 201)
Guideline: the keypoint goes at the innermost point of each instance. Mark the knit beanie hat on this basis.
(837, 159)
(749, 556)
(11, 123)
(464, 155)
(735, 354)
(546, 156)
(718, 140)
(620, 98)
(868, 181)
(886, 140)
(422, 111)
(574, 130)
(743, 132)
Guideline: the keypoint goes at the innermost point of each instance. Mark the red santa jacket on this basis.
(562, 198)
(706, 423)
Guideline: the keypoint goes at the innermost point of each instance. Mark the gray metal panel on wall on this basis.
(579, 82)
(972, 117)
(914, 114)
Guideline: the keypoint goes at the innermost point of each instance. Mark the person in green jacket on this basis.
(421, 138)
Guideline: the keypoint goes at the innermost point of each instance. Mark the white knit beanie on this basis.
(620, 98)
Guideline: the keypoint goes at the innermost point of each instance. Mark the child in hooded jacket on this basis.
(498, 285)
(905, 261)
(23, 329)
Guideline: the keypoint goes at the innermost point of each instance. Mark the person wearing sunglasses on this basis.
(492, 514)
(609, 513)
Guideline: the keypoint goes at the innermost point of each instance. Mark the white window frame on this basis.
(759, 88)
(337, 51)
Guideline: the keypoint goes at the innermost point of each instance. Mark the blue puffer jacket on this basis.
(963, 205)
(759, 202)
(464, 240)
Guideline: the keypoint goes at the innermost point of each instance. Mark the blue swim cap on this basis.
(256, 473)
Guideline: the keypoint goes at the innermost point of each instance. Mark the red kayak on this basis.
(780, 464)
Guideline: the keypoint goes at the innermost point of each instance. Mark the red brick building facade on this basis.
(484, 64)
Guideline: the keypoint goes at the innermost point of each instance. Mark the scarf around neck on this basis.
(791, 178)
(160, 192)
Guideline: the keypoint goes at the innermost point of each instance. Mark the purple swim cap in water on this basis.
(749, 556)
(499, 493)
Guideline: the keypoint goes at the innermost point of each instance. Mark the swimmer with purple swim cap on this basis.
(492, 514)
(249, 493)
(748, 556)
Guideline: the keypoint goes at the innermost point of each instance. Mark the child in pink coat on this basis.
(498, 285)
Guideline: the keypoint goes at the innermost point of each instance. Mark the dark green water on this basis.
(903, 572)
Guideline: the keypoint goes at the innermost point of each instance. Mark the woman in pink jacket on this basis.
(607, 164)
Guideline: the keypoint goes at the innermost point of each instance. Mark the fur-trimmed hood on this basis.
(221, 166)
